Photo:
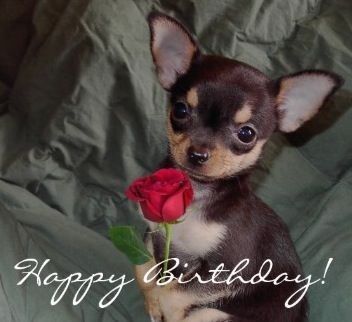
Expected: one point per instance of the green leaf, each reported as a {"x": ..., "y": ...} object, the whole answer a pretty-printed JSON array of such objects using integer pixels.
[{"x": 127, "y": 240}]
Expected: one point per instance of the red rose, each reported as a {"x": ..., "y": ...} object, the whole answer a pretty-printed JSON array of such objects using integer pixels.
[{"x": 163, "y": 196}]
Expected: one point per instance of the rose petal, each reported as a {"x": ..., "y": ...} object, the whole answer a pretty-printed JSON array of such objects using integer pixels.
[
  {"x": 188, "y": 196},
  {"x": 163, "y": 188},
  {"x": 132, "y": 193},
  {"x": 173, "y": 207},
  {"x": 169, "y": 175},
  {"x": 155, "y": 198},
  {"x": 150, "y": 213}
]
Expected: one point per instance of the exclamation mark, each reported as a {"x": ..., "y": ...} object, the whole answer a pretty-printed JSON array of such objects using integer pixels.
[{"x": 326, "y": 269}]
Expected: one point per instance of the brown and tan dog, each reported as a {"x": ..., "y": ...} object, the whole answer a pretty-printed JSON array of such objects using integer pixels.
[{"x": 222, "y": 112}]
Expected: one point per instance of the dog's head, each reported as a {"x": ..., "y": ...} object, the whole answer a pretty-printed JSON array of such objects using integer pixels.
[{"x": 222, "y": 111}]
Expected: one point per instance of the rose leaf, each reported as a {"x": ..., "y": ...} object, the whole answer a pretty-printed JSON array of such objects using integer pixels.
[{"x": 127, "y": 240}]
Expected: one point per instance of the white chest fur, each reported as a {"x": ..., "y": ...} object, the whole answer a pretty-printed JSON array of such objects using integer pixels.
[{"x": 195, "y": 236}]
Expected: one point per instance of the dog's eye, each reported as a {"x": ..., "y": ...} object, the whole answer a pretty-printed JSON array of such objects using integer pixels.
[
  {"x": 180, "y": 111},
  {"x": 246, "y": 134}
]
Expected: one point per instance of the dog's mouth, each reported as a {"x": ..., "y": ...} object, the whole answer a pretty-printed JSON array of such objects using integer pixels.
[
  {"x": 200, "y": 176},
  {"x": 196, "y": 175}
]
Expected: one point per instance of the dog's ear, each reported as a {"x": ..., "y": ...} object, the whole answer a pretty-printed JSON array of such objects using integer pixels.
[
  {"x": 173, "y": 48},
  {"x": 300, "y": 95}
]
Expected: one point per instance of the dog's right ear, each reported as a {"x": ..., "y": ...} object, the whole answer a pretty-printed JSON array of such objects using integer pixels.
[{"x": 172, "y": 46}]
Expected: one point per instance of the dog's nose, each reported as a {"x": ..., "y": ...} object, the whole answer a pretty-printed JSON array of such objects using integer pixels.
[{"x": 198, "y": 155}]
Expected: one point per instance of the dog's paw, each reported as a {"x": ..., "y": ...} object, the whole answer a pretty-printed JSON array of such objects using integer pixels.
[
  {"x": 208, "y": 315},
  {"x": 152, "y": 306},
  {"x": 155, "y": 314},
  {"x": 153, "y": 319}
]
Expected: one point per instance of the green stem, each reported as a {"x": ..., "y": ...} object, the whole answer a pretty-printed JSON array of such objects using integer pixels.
[{"x": 168, "y": 235}]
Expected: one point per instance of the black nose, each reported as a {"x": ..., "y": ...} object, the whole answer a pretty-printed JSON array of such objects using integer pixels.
[{"x": 198, "y": 155}]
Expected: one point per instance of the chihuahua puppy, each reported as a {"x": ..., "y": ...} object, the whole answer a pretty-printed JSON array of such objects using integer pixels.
[{"x": 221, "y": 114}]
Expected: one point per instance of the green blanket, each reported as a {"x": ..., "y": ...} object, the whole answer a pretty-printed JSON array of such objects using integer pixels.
[{"x": 82, "y": 115}]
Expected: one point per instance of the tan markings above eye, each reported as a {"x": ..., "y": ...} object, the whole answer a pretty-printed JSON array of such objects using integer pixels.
[
  {"x": 192, "y": 97},
  {"x": 244, "y": 114}
]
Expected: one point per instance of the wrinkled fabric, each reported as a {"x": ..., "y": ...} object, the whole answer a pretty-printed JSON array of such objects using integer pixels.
[{"x": 82, "y": 115}]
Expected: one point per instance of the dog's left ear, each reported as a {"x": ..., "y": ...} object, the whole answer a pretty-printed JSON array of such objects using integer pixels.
[
  {"x": 172, "y": 46},
  {"x": 299, "y": 96}
]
